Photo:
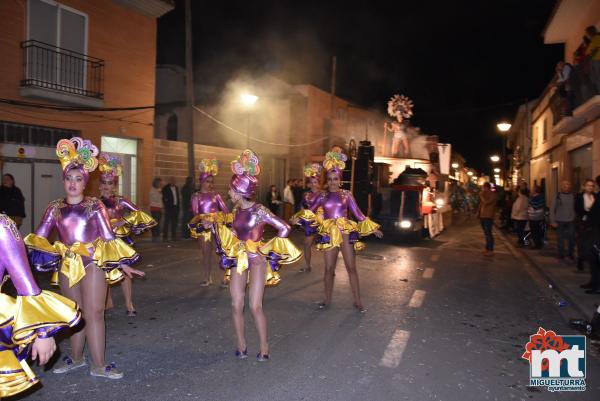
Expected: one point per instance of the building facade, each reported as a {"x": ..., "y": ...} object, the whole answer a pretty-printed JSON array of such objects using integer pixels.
[
  {"x": 94, "y": 55},
  {"x": 547, "y": 144}
]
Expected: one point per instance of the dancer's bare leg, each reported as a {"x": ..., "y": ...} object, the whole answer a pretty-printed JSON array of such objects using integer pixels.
[
  {"x": 93, "y": 287},
  {"x": 308, "y": 241},
  {"x": 395, "y": 146},
  {"x": 257, "y": 289},
  {"x": 127, "y": 287},
  {"x": 109, "y": 301},
  {"x": 350, "y": 262},
  {"x": 405, "y": 147},
  {"x": 237, "y": 289},
  {"x": 207, "y": 257},
  {"x": 331, "y": 257},
  {"x": 74, "y": 293}
]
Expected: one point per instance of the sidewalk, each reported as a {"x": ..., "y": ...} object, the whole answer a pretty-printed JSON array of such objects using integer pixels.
[{"x": 562, "y": 275}]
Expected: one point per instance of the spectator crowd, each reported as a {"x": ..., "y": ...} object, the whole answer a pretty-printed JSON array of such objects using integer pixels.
[{"x": 574, "y": 215}]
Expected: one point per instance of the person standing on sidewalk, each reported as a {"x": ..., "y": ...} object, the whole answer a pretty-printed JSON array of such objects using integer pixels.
[
  {"x": 591, "y": 239},
  {"x": 487, "y": 211},
  {"x": 156, "y": 207},
  {"x": 562, "y": 218},
  {"x": 519, "y": 215},
  {"x": 288, "y": 200},
  {"x": 186, "y": 205},
  {"x": 172, "y": 202},
  {"x": 583, "y": 204},
  {"x": 536, "y": 214}
]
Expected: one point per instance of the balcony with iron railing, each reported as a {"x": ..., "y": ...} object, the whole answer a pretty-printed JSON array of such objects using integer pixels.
[
  {"x": 580, "y": 105},
  {"x": 61, "y": 75}
]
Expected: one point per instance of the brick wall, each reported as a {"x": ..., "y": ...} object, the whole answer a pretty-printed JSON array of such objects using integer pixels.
[{"x": 126, "y": 41}]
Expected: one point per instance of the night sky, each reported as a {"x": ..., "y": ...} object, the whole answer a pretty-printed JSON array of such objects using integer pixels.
[{"x": 466, "y": 64}]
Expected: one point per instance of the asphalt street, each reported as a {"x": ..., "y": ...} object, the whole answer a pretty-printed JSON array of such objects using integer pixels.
[{"x": 444, "y": 322}]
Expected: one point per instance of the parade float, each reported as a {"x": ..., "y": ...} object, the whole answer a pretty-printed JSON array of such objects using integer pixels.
[{"x": 409, "y": 176}]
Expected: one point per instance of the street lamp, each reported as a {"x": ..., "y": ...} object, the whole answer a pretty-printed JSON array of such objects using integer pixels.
[
  {"x": 248, "y": 100},
  {"x": 454, "y": 165},
  {"x": 495, "y": 158},
  {"x": 496, "y": 170},
  {"x": 469, "y": 173},
  {"x": 503, "y": 128}
]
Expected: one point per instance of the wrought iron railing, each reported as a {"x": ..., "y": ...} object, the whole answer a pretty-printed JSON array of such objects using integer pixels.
[{"x": 50, "y": 67}]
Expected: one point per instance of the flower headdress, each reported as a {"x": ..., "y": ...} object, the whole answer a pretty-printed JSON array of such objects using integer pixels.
[
  {"x": 335, "y": 160},
  {"x": 312, "y": 170},
  {"x": 208, "y": 168},
  {"x": 77, "y": 152},
  {"x": 245, "y": 169},
  {"x": 400, "y": 107},
  {"x": 246, "y": 163},
  {"x": 110, "y": 166}
]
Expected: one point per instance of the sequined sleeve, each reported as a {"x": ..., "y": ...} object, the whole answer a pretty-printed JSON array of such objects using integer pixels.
[
  {"x": 283, "y": 229},
  {"x": 14, "y": 258},
  {"x": 103, "y": 222},
  {"x": 353, "y": 206},
  {"x": 222, "y": 206},
  {"x": 129, "y": 205},
  {"x": 317, "y": 202},
  {"x": 195, "y": 203},
  {"x": 48, "y": 222}
]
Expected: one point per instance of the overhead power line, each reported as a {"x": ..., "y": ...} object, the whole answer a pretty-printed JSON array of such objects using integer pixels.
[{"x": 22, "y": 103}]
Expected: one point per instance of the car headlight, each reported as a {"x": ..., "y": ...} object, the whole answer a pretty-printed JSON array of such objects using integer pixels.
[{"x": 405, "y": 224}]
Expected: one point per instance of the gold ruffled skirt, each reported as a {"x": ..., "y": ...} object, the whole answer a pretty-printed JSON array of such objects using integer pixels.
[{"x": 22, "y": 320}]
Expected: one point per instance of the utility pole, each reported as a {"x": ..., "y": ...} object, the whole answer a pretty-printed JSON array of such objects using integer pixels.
[
  {"x": 332, "y": 111},
  {"x": 189, "y": 86}
]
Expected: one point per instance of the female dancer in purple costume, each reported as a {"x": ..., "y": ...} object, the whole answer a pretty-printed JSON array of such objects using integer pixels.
[
  {"x": 87, "y": 251},
  {"x": 28, "y": 323},
  {"x": 126, "y": 219},
  {"x": 209, "y": 209},
  {"x": 336, "y": 231},
  {"x": 312, "y": 172},
  {"x": 241, "y": 248}
]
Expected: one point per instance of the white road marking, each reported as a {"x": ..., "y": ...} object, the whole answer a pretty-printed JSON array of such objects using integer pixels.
[
  {"x": 428, "y": 273},
  {"x": 435, "y": 257},
  {"x": 417, "y": 299},
  {"x": 393, "y": 353}
]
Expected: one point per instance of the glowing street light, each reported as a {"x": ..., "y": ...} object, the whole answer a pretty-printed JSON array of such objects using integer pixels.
[
  {"x": 470, "y": 173},
  {"x": 454, "y": 165},
  {"x": 495, "y": 158},
  {"x": 496, "y": 170},
  {"x": 503, "y": 126},
  {"x": 249, "y": 99}
]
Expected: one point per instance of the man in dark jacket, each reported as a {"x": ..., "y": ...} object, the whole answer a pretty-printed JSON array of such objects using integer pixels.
[
  {"x": 592, "y": 249},
  {"x": 172, "y": 203},
  {"x": 583, "y": 203},
  {"x": 590, "y": 238},
  {"x": 186, "y": 203}
]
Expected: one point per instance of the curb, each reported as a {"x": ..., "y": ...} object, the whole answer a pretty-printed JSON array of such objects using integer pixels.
[{"x": 565, "y": 294}]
